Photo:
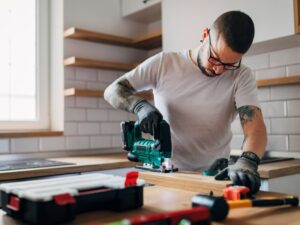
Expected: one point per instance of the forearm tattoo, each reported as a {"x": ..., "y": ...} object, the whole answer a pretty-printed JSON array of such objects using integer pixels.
[
  {"x": 247, "y": 114},
  {"x": 120, "y": 94}
]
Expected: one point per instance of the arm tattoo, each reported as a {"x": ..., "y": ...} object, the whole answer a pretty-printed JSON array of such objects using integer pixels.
[
  {"x": 247, "y": 113},
  {"x": 120, "y": 94}
]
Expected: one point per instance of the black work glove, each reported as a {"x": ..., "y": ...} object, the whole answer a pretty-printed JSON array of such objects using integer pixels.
[
  {"x": 243, "y": 173},
  {"x": 149, "y": 118}
]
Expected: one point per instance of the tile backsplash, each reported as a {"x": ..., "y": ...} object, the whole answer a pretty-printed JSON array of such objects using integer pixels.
[{"x": 280, "y": 104}]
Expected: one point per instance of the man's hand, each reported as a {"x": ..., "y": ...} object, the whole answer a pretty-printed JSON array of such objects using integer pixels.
[
  {"x": 243, "y": 172},
  {"x": 149, "y": 117}
]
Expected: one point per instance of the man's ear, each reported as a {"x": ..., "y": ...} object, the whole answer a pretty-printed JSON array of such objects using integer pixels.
[{"x": 204, "y": 34}]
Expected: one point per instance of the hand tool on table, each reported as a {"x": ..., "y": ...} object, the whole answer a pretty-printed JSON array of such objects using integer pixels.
[
  {"x": 236, "y": 192},
  {"x": 219, "y": 207},
  {"x": 155, "y": 154}
]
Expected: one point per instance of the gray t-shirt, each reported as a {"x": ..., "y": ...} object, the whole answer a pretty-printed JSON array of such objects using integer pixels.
[{"x": 199, "y": 109}]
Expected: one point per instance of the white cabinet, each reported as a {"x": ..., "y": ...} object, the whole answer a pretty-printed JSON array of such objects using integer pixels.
[
  {"x": 183, "y": 22},
  {"x": 146, "y": 11}
]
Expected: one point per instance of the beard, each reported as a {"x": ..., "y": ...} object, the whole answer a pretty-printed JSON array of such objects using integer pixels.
[{"x": 207, "y": 72}]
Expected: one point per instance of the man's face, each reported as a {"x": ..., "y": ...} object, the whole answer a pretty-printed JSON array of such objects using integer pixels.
[{"x": 216, "y": 56}]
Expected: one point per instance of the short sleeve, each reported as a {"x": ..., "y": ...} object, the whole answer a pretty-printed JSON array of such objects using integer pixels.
[
  {"x": 146, "y": 75},
  {"x": 246, "y": 89}
]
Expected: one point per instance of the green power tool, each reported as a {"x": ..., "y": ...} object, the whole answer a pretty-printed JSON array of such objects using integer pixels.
[{"x": 155, "y": 153}]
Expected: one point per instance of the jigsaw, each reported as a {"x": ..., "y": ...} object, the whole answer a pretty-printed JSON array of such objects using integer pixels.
[{"x": 155, "y": 153}]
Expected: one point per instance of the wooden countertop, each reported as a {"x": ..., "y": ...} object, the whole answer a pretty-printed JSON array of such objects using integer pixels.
[
  {"x": 162, "y": 199},
  {"x": 119, "y": 160}
]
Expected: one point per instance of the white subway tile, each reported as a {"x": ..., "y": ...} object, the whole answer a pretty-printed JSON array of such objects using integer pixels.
[
  {"x": 77, "y": 143},
  {"x": 294, "y": 143},
  {"x": 236, "y": 127},
  {"x": 108, "y": 76},
  {"x": 52, "y": 143},
  {"x": 86, "y": 74},
  {"x": 285, "y": 92},
  {"x": 4, "y": 146},
  {"x": 88, "y": 128},
  {"x": 96, "y": 86},
  {"x": 97, "y": 115},
  {"x": 73, "y": 114},
  {"x": 110, "y": 128},
  {"x": 285, "y": 126},
  {"x": 70, "y": 129},
  {"x": 237, "y": 141},
  {"x": 256, "y": 61},
  {"x": 273, "y": 109},
  {"x": 285, "y": 57},
  {"x": 86, "y": 102},
  {"x": 264, "y": 94},
  {"x": 117, "y": 115},
  {"x": 293, "y": 70},
  {"x": 104, "y": 104},
  {"x": 117, "y": 142},
  {"x": 75, "y": 84},
  {"x": 101, "y": 142},
  {"x": 23, "y": 145},
  {"x": 277, "y": 143},
  {"x": 293, "y": 108},
  {"x": 69, "y": 73},
  {"x": 70, "y": 101},
  {"x": 271, "y": 73}
]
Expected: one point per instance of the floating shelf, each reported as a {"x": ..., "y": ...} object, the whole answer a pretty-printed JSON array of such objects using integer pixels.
[
  {"x": 99, "y": 93},
  {"x": 91, "y": 63},
  {"x": 147, "y": 42},
  {"x": 278, "y": 81},
  {"x": 30, "y": 133}
]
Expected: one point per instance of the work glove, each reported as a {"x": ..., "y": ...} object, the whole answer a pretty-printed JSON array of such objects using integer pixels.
[
  {"x": 243, "y": 173},
  {"x": 149, "y": 118}
]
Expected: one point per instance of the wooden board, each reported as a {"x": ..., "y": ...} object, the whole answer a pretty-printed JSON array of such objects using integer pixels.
[
  {"x": 186, "y": 181},
  {"x": 30, "y": 133},
  {"x": 278, "y": 81},
  {"x": 147, "y": 42},
  {"x": 91, "y": 63}
]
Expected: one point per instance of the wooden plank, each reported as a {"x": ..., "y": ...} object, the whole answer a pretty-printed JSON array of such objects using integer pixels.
[
  {"x": 91, "y": 63},
  {"x": 99, "y": 93},
  {"x": 83, "y": 92},
  {"x": 185, "y": 181},
  {"x": 148, "y": 41},
  {"x": 297, "y": 15},
  {"x": 279, "y": 169},
  {"x": 278, "y": 81},
  {"x": 30, "y": 133},
  {"x": 86, "y": 35}
]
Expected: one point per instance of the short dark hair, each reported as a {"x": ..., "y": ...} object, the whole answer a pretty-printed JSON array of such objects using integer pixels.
[{"x": 237, "y": 28}]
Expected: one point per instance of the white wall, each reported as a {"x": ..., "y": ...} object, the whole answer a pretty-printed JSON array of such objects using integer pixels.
[{"x": 183, "y": 20}]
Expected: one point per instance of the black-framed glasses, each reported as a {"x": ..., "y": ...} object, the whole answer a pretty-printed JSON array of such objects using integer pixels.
[{"x": 217, "y": 62}]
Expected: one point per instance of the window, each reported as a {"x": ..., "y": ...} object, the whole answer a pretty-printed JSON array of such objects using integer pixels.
[{"x": 24, "y": 64}]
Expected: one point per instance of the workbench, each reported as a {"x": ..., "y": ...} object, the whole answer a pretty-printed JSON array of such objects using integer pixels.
[{"x": 162, "y": 199}]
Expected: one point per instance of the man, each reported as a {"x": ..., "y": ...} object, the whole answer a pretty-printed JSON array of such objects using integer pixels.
[{"x": 199, "y": 92}]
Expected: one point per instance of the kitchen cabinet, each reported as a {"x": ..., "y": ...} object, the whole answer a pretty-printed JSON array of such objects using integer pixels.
[{"x": 146, "y": 11}]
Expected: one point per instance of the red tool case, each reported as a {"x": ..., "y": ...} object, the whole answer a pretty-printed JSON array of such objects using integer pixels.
[{"x": 58, "y": 200}]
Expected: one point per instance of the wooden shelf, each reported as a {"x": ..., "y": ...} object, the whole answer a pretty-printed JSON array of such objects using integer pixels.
[
  {"x": 99, "y": 93},
  {"x": 91, "y": 63},
  {"x": 30, "y": 133},
  {"x": 147, "y": 42},
  {"x": 278, "y": 81}
]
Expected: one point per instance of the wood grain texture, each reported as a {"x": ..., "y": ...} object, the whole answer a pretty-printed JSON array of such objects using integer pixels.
[
  {"x": 30, "y": 133},
  {"x": 297, "y": 15},
  {"x": 278, "y": 81},
  {"x": 186, "y": 181},
  {"x": 147, "y": 42},
  {"x": 91, "y": 63}
]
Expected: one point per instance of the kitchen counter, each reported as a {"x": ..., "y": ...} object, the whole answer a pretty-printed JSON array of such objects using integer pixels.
[
  {"x": 119, "y": 160},
  {"x": 162, "y": 199}
]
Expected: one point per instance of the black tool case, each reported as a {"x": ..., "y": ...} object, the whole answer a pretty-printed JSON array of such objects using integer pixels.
[{"x": 58, "y": 200}]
